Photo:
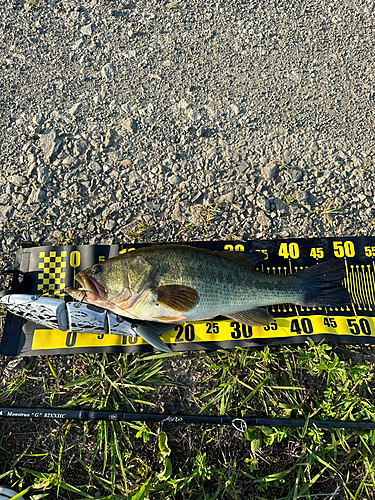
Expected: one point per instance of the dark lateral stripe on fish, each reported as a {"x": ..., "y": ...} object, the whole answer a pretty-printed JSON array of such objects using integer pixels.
[{"x": 323, "y": 285}]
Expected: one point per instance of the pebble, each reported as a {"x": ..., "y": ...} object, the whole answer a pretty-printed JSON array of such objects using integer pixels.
[
  {"x": 270, "y": 171},
  {"x": 50, "y": 144},
  {"x": 78, "y": 44},
  {"x": 38, "y": 120},
  {"x": 108, "y": 71},
  {"x": 44, "y": 174},
  {"x": 194, "y": 116},
  {"x": 75, "y": 109},
  {"x": 37, "y": 195},
  {"x": 87, "y": 29},
  {"x": 174, "y": 180},
  {"x": 134, "y": 177},
  {"x": 110, "y": 138},
  {"x": 236, "y": 110},
  {"x": 14, "y": 367},
  {"x": 18, "y": 180},
  {"x": 296, "y": 174},
  {"x": 130, "y": 125}
]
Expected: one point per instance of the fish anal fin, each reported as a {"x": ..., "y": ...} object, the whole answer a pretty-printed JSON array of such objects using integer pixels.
[
  {"x": 253, "y": 317},
  {"x": 180, "y": 298},
  {"x": 151, "y": 334}
]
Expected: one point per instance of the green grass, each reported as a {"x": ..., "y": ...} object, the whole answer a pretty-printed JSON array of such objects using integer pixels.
[{"x": 118, "y": 460}]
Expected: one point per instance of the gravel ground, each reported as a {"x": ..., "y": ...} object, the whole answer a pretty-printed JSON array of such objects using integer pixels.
[{"x": 182, "y": 120}]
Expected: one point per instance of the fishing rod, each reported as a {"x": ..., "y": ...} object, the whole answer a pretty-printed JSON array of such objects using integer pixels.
[{"x": 240, "y": 424}]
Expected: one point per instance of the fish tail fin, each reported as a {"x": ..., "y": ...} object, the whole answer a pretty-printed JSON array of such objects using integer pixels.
[{"x": 323, "y": 285}]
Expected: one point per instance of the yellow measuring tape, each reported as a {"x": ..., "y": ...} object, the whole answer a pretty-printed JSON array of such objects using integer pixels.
[{"x": 216, "y": 331}]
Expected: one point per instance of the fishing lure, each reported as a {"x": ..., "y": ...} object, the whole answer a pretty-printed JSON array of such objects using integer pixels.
[{"x": 80, "y": 318}]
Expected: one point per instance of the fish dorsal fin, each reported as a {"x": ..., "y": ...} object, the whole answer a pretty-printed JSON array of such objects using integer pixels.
[
  {"x": 254, "y": 317},
  {"x": 180, "y": 298},
  {"x": 248, "y": 259}
]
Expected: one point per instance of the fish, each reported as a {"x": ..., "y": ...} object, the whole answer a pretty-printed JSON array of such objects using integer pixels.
[{"x": 174, "y": 284}]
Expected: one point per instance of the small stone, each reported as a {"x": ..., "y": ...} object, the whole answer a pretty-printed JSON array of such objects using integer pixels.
[
  {"x": 193, "y": 115},
  {"x": 203, "y": 132},
  {"x": 50, "y": 145},
  {"x": 296, "y": 174},
  {"x": 264, "y": 204},
  {"x": 110, "y": 224},
  {"x": 6, "y": 212},
  {"x": 75, "y": 109},
  {"x": 227, "y": 198},
  {"x": 95, "y": 167},
  {"x": 108, "y": 71},
  {"x": 78, "y": 44},
  {"x": 236, "y": 110},
  {"x": 14, "y": 366},
  {"x": 242, "y": 167},
  {"x": 79, "y": 148},
  {"x": 44, "y": 175},
  {"x": 87, "y": 29},
  {"x": 184, "y": 104},
  {"x": 305, "y": 200},
  {"x": 130, "y": 125},
  {"x": 37, "y": 196},
  {"x": 263, "y": 220},
  {"x": 134, "y": 177},
  {"x": 97, "y": 99},
  {"x": 174, "y": 180},
  {"x": 110, "y": 138},
  {"x": 18, "y": 180},
  {"x": 126, "y": 163},
  {"x": 69, "y": 161},
  {"x": 211, "y": 154},
  {"x": 38, "y": 120},
  {"x": 281, "y": 207},
  {"x": 179, "y": 213},
  {"x": 270, "y": 171},
  {"x": 212, "y": 112}
]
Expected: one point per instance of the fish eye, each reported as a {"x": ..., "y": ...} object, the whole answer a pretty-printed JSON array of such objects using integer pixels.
[{"x": 97, "y": 269}]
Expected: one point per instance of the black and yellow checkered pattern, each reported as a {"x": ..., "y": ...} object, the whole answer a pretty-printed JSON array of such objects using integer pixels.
[{"x": 51, "y": 279}]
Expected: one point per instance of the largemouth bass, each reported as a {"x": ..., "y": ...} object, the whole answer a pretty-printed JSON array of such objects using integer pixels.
[{"x": 174, "y": 284}]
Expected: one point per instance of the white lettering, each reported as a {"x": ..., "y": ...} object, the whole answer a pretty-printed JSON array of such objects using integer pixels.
[{"x": 173, "y": 419}]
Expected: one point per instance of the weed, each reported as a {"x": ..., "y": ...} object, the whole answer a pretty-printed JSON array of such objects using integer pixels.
[
  {"x": 105, "y": 217},
  {"x": 65, "y": 241},
  {"x": 124, "y": 460},
  {"x": 289, "y": 199},
  {"x": 365, "y": 167},
  {"x": 44, "y": 222},
  {"x": 138, "y": 232},
  {"x": 207, "y": 214}
]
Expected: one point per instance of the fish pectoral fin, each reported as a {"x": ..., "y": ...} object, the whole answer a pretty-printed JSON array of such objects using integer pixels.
[
  {"x": 180, "y": 298},
  {"x": 254, "y": 317},
  {"x": 150, "y": 334}
]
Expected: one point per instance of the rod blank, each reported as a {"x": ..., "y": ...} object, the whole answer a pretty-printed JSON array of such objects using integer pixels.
[{"x": 68, "y": 414}]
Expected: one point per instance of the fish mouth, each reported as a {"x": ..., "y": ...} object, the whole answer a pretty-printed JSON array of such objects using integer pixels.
[{"x": 90, "y": 285}]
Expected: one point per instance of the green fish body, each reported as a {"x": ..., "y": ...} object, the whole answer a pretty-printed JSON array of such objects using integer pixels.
[{"x": 175, "y": 284}]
